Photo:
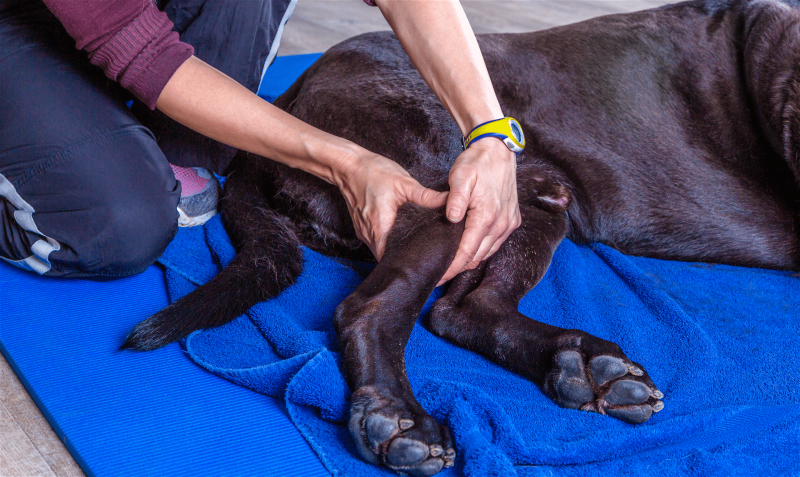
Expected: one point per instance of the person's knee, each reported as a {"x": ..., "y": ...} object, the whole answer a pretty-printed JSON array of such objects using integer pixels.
[
  {"x": 139, "y": 215},
  {"x": 114, "y": 208},
  {"x": 138, "y": 227}
]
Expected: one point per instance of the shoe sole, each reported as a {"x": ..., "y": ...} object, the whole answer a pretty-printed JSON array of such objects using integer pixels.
[{"x": 186, "y": 221}]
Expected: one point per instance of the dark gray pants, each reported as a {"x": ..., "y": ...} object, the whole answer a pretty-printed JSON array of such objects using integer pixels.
[{"x": 85, "y": 188}]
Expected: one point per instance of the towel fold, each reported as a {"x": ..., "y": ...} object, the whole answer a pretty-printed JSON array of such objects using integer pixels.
[{"x": 719, "y": 341}]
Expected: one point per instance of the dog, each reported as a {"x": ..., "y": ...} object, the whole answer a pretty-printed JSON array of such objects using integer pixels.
[{"x": 670, "y": 133}]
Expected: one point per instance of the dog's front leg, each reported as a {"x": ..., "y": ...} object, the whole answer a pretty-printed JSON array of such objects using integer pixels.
[{"x": 373, "y": 324}]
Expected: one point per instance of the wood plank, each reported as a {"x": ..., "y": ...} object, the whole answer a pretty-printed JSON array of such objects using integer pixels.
[
  {"x": 316, "y": 25},
  {"x": 18, "y": 455},
  {"x": 35, "y": 429}
]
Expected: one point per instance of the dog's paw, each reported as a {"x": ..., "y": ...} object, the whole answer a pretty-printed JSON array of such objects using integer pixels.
[
  {"x": 387, "y": 432},
  {"x": 596, "y": 376}
]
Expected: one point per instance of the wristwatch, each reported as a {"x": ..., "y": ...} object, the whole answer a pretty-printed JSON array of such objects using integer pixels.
[{"x": 506, "y": 129}]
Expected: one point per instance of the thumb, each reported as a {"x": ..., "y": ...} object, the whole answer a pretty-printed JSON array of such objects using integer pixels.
[
  {"x": 425, "y": 197},
  {"x": 458, "y": 201}
]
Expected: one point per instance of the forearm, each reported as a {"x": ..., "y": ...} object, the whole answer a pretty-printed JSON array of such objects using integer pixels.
[
  {"x": 206, "y": 100},
  {"x": 439, "y": 40}
]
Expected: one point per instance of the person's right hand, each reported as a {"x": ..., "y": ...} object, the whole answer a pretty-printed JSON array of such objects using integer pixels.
[
  {"x": 374, "y": 187},
  {"x": 483, "y": 186}
]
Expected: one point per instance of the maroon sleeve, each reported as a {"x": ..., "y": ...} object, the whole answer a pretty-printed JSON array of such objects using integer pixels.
[{"x": 131, "y": 40}]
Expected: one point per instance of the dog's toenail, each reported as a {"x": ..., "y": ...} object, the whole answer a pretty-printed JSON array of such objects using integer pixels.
[
  {"x": 450, "y": 454},
  {"x": 635, "y": 371},
  {"x": 449, "y": 463},
  {"x": 658, "y": 394},
  {"x": 659, "y": 406},
  {"x": 436, "y": 450},
  {"x": 406, "y": 424}
]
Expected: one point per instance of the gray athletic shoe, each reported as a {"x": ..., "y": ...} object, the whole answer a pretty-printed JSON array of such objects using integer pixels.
[{"x": 199, "y": 195}]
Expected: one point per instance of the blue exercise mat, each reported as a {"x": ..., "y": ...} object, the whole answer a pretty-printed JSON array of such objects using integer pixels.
[
  {"x": 719, "y": 341},
  {"x": 126, "y": 413},
  {"x": 282, "y": 73}
]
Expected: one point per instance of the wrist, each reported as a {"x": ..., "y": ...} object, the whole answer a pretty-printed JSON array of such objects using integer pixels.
[
  {"x": 496, "y": 148},
  {"x": 348, "y": 160},
  {"x": 506, "y": 129}
]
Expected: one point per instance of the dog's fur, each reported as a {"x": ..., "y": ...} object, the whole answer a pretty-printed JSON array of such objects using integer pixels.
[{"x": 670, "y": 133}]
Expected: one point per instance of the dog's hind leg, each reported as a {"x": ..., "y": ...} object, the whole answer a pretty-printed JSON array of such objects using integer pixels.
[
  {"x": 575, "y": 369},
  {"x": 268, "y": 261},
  {"x": 373, "y": 325}
]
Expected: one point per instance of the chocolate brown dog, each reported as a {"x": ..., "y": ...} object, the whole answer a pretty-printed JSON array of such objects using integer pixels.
[{"x": 670, "y": 133}]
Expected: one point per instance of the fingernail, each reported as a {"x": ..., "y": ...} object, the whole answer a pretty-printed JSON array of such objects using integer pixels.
[{"x": 453, "y": 216}]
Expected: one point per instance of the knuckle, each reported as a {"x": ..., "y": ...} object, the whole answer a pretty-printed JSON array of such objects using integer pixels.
[
  {"x": 483, "y": 218},
  {"x": 501, "y": 225}
]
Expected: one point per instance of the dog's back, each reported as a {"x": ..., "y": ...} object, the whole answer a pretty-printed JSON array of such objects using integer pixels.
[{"x": 662, "y": 124}]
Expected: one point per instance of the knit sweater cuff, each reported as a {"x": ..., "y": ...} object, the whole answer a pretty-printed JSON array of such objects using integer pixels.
[{"x": 144, "y": 55}]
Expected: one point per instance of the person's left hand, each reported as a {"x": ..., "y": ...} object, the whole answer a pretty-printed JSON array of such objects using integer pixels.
[
  {"x": 483, "y": 184},
  {"x": 374, "y": 187}
]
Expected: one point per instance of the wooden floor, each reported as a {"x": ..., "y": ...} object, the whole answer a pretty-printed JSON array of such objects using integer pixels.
[
  {"x": 28, "y": 446},
  {"x": 319, "y": 24}
]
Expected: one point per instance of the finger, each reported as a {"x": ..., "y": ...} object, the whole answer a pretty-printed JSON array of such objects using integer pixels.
[
  {"x": 467, "y": 248},
  {"x": 382, "y": 235},
  {"x": 459, "y": 198},
  {"x": 362, "y": 232},
  {"x": 482, "y": 253},
  {"x": 425, "y": 197},
  {"x": 515, "y": 223},
  {"x": 380, "y": 248},
  {"x": 495, "y": 247}
]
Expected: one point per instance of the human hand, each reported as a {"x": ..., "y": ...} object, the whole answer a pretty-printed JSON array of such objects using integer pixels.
[
  {"x": 483, "y": 184},
  {"x": 374, "y": 187}
]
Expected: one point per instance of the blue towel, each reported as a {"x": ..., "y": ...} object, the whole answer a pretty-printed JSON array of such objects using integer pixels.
[{"x": 719, "y": 341}]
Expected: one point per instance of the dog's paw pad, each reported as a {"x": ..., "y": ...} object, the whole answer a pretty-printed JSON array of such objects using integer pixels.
[
  {"x": 625, "y": 392},
  {"x": 592, "y": 374},
  {"x": 406, "y": 452},
  {"x": 426, "y": 469},
  {"x": 631, "y": 414},
  {"x": 380, "y": 429},
  {"x": 571, "y": 386},
  {"x": 388, "y": 431},
  {"x": 607, "y": 368}
]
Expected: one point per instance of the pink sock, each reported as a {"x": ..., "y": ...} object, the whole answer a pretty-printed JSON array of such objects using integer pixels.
[{"x": 191, "y": 182}]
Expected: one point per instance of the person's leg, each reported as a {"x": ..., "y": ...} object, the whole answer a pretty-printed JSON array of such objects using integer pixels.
[
  {"x": 84, "y": 189},
  {"x": 237, "y": 37}
]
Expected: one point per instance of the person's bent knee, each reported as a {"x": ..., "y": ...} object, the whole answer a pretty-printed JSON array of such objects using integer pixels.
[
  {"x": 112, "y": 208},
  {"x": 136, "y": 232},
  {"x": 138, "y": 217}
]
